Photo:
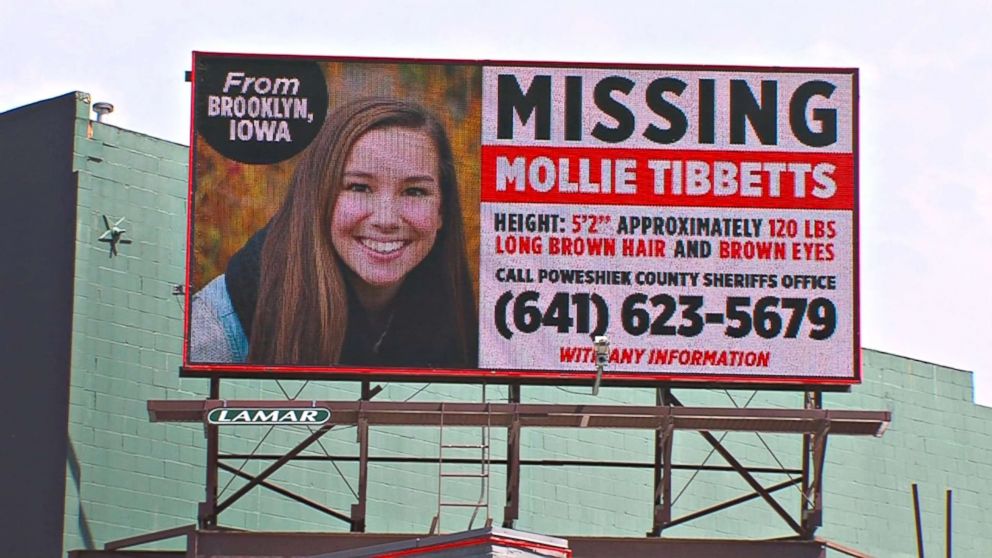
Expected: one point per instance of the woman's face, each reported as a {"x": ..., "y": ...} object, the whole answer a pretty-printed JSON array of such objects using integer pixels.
[{"x": 388, "y": 213}]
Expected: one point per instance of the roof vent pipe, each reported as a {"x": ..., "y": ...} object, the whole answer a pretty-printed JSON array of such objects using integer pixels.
[{"x": 102, "y": 109}]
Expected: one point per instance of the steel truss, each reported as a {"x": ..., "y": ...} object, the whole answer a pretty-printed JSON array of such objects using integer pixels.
[{"x": 812, "y": 422}]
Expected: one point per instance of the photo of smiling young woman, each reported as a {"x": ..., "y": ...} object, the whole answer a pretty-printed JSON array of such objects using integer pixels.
[{"x": 364, "y": 264}]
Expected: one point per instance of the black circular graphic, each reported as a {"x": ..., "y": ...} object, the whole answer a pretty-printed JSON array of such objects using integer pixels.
[{"x": 259, "y": 111}]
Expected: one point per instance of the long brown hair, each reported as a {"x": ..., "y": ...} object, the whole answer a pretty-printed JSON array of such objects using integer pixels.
[{"x": 301, "y": 315}]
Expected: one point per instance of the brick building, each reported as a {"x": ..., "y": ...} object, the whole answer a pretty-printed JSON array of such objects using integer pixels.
[{"x": 89, "y": 337}]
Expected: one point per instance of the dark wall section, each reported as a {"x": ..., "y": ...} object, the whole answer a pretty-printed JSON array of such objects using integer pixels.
[{"x": 37, "y": 252}]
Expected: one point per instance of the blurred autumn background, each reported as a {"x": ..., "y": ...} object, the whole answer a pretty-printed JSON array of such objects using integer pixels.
[{"x": 232, "y": 200}]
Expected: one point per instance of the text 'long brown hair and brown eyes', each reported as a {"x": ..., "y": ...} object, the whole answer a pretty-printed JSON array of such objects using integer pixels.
[{"x": 301, "y": 316}]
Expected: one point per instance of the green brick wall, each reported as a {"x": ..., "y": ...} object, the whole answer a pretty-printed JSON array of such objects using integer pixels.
[{"x": 127, "y": 476}]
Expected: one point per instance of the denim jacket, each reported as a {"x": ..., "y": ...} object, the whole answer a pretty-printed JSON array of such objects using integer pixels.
[{"x": 216, "y": 334}]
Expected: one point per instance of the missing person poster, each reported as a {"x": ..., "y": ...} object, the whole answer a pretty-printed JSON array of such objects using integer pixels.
[{"x": 476, "y": 221}]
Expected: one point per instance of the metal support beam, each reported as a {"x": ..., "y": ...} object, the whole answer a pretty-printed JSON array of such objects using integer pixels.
[
  {"x": 283, "y": 492},
  {"x": 730, "y": 503},
  {"x": 658, "y": 475},
  {"x": 819, "y": 459},
  {"x": 843, "y": 549},
  {"x": 752, "y": 482},
  {"x": 948, "y": 526},
  {"x": 118, "y": 544},
  {"x": 668, "y": 437},
  {"x": 814, "y": 452},
  {"x": 919, "y": 522},
  {"x": 748, "y": 478},
  {"x": 207, "y": 510},
  {"x": 395, "y": 413},
  {"x": 368, "y": 392},
  {"x": 511, "y": 511},
  {"x": 358, "y": 510},
  {"x": 316, "y": 435},
  {"x": 664, "y": 418},
  {"x": 804, "y": 499},
  {"x": 662, "y": 469},
  {"x": 503, "y": 462}
]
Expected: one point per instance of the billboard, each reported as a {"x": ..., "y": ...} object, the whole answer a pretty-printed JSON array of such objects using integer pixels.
[{"x": 486, "y": 221}]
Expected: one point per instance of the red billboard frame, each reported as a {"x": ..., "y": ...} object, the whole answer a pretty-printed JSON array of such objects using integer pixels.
[{"x": 526, "y": 376}]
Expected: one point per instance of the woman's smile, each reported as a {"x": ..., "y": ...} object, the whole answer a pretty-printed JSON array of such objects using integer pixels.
[{"x": 383, "y": 247}]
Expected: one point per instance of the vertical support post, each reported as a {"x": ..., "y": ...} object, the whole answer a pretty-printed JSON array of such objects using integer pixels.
[
  {"x": 207, "y": 512},
  {"x": 511, "y": 512},
  {"x": 358, "y": 510},
  {"x": 811, "y": 487},
  {"x": 819, "y": 459},
  {"x": 919, "y": 521},
  {"x": 662, "y": 468},
  {"x": 948, "y": 525},
  {"x": 804, "y": 502},
  {"x": 658, "y": 477},
  {"x": 666, "y": 492}
]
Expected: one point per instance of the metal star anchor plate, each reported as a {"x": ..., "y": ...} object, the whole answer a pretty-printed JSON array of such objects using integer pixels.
[{"x": 113, "y": 235}]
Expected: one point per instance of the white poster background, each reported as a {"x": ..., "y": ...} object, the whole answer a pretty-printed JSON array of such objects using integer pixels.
[{"x": 541, "y": 350}]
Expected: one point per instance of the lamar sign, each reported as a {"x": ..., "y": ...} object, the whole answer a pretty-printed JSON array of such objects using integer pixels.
[{"x": 249, "y": 415}]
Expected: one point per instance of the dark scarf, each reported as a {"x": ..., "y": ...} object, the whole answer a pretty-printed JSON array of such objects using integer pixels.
[{"x": 243, "y": 276}]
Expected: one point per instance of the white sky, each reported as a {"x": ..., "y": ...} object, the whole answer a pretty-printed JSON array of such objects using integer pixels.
[{"x": 926, "y": 121}]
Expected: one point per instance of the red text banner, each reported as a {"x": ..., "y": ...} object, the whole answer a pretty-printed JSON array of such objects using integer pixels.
[{"x": 575, "y": 175}]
